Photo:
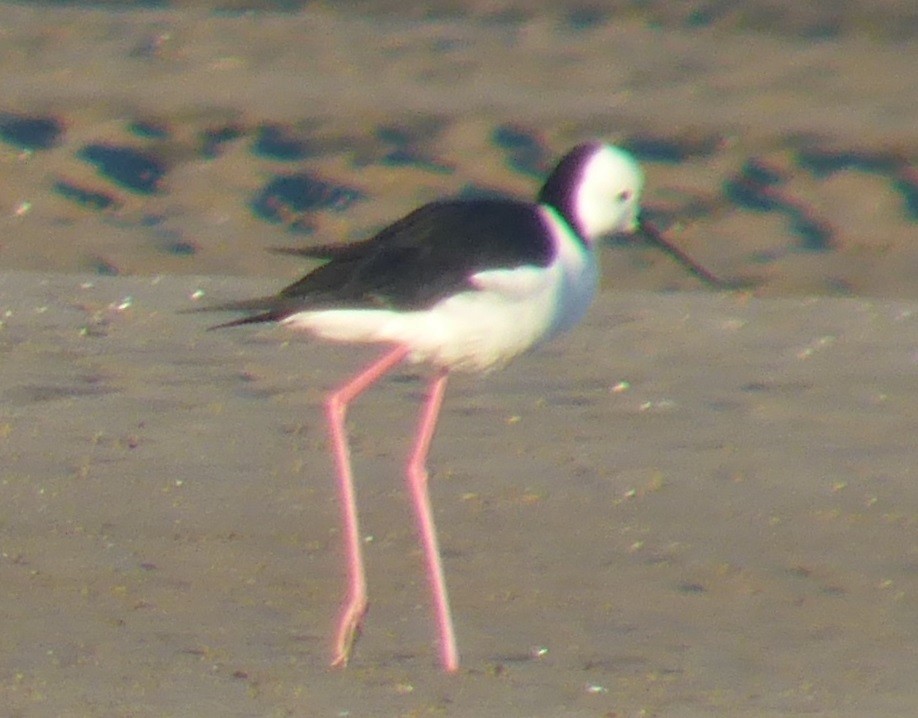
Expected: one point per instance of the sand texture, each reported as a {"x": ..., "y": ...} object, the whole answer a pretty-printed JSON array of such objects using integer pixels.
[
  {"x": 696, "y": 505},
  {"x": 699, "y": 503}
]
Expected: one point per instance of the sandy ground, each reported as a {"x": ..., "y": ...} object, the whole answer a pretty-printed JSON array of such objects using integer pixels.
[
  {"x": 696, "y": 505},
  {"x": 699, "y": 503}
]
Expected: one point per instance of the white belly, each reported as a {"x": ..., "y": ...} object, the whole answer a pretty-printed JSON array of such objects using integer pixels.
[{"x": 509, "y": 312}]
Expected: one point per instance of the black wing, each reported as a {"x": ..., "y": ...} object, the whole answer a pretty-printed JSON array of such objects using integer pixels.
[{"x": 415, "y": 262}]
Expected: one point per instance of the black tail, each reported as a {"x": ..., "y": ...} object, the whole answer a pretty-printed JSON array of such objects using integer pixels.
[
  {"x": 254, "y": 319},
  {"x": 264, "y": 307}
]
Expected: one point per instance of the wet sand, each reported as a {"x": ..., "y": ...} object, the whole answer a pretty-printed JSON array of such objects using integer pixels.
[{"x": 698, "y": 503}]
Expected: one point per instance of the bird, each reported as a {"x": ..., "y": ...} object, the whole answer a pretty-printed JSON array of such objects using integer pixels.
[{"x": 461, "y": 285}]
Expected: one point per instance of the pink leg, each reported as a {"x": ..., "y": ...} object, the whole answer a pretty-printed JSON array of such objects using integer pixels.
[
  {"x": 417, "y": 483},
  {"x": 355, "y": 607}
]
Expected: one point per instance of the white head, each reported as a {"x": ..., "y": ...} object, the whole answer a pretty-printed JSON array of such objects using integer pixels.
[{"x": 596, "y": 187}]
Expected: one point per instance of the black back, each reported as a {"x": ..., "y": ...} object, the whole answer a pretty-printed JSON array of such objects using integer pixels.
[{"x": 417, "y": 261}]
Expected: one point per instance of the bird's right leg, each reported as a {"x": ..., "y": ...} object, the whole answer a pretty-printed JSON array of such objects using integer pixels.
[
  {"x": 356, "y": 604},
  {"x": 420, "y": 496}
]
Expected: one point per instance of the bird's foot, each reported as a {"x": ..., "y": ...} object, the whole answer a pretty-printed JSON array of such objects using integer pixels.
[{"x": 349, "y": 628}]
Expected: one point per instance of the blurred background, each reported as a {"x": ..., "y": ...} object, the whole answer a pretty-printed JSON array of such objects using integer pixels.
[{"x": 779, "y": 138}]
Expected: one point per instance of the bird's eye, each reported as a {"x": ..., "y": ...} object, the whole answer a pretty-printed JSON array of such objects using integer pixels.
[{"x": 624, "y": 196}]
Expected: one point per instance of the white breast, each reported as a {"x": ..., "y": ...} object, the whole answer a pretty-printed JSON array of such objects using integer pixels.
[{"x": 510, "y": 311}]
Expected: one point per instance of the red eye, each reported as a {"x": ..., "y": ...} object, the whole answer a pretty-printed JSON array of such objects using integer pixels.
[{"x": 624, "y": 196}]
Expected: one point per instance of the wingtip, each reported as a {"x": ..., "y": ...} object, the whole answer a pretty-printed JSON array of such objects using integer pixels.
[
  {"x": 253, "y": 319},
  {"x": 258, "y": 310}
]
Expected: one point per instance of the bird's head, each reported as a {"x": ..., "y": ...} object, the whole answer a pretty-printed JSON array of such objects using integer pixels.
[{"x": 596, "y": 187}]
